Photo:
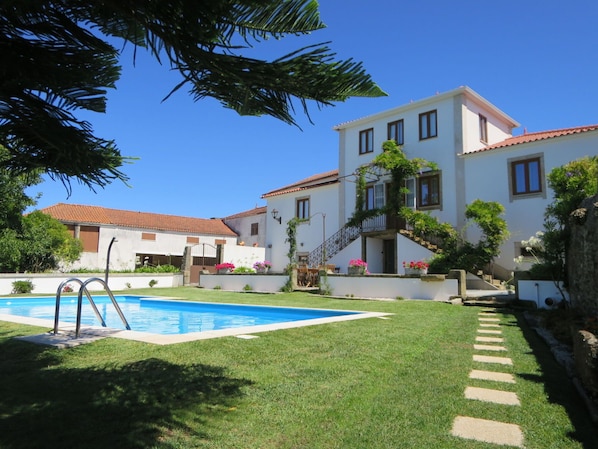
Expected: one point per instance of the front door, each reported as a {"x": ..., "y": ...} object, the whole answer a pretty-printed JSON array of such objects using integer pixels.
[{"x": 388, "y": 264}]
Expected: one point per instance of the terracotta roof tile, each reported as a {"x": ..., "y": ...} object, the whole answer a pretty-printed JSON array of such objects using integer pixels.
[
  {"x": 533, "y": 137},
  {"x": 248, "y": 213},
  {"x": 329, "y": 177},
  {"x": 74, "y": 213}
]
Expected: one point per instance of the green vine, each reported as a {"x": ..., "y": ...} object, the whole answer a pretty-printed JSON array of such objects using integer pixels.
[
  {"x": 292, "y": 240},
  {"x": 393, "y": 161}
]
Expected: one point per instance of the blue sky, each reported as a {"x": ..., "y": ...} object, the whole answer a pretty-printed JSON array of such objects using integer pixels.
[{"x": 535, "y": 60}]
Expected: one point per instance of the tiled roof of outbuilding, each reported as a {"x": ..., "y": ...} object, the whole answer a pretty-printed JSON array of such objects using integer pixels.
[
  {"x": 533, "y": 137},
  {"x": 80, "y": 214},
  {"x": 329, "y": 177},
  {"x": 248, "y": 213}
]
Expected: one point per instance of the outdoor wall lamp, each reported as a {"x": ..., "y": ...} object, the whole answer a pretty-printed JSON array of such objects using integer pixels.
[{"x": 276, "y": 216}]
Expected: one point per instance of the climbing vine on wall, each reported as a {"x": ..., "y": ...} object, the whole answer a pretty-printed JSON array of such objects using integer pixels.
[{"x": 393, "y": 161}]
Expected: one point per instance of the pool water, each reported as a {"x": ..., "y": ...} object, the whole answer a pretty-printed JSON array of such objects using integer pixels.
[{"x": 161, "y": 316}]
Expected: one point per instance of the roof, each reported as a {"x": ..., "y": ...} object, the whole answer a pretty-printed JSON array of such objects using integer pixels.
[
  {"x": 79, "y": 214},
  {"x": 248, "y": 213},
  {"x": 329, "y": 177},
  {"x": 534, "y": 137},
  {"x": 465, "y": 90}
]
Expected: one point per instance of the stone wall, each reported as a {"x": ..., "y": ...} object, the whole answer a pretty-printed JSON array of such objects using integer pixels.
[{"x": 583, "y": 257}]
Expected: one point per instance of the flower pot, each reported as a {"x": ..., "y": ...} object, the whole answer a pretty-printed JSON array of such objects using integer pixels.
[
  {"x": 262, "y": 270},
  {"x": 354, "y": 271},
  {"x": 415, "y": 271},
  {"x": 224, "y": 270}
]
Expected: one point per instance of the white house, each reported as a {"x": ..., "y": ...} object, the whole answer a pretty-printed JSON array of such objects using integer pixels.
[
  {"x": 472, "y": 143},
  {"x": 250, "y": 226}
]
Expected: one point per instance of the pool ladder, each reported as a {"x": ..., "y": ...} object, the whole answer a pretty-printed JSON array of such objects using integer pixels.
[{"x": 83, "y": 289}]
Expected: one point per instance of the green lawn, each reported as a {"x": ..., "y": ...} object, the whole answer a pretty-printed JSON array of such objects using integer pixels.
[{"x": 370, "y": 383}]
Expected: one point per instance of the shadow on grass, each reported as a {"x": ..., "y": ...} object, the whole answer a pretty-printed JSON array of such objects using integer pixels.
[
  {"x": 558, "y": 387},
  {"x": 124, "y": 406}
]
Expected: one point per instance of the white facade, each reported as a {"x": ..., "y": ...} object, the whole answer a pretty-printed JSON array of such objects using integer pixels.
[
  {"x": 130, "y": 242},
  {"x": 471, "y": 142},
  {"x": 488, "y": 178}
]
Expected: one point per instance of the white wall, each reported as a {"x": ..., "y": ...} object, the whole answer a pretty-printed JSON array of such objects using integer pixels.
[
  {"x": 129, "y": 243},
  {"x": 488, "y": 179},
  {"x": 243, "y": 256},
  {"x": 322, "y": 199},
  {"x": 49, "y": 283}
]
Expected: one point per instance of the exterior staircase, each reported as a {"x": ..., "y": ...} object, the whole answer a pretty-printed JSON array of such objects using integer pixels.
[{"x": 333, "y": 245}]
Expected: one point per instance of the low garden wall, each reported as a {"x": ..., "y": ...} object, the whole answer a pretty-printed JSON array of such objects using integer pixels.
[
  {"x": 49, "y": 283},
  {"x": 543, "y": 293},
  {"x": 371, "y": 286},
  {"x": 239, "y": 282}
]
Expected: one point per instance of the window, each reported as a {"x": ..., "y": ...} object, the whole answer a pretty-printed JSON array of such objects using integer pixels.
[
  {"x": 366, "y": 141},
  {"x": 427, "y": 125},
  {"x": 395, "y": 132},
  {"x": 410, "y": 194},
  {"x": 483, "y": 129},
  {"x": 428, "y": 190},
  {"x": 526, "y": 176},
  {"x": 254, "y": 228},
  {"x": 302, "y": 208},
  {"x": 374, "y": 196}
]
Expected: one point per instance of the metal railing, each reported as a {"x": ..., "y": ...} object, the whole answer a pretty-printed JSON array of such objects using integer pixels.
[
  {"x": 83, "y": 289},
  {"x": 333, "y": 245}
]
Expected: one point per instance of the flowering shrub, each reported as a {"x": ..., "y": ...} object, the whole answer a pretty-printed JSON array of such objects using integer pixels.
[
  {"x": 67, "y": 288},
  {"x": 416, "y": 265},
  {"x": 358, "y": 263},
  {"x": 262, "y": 265},
  {"x": 225, "y": 265}
]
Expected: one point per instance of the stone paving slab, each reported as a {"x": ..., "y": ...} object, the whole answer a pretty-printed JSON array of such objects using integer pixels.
[
  {"x": 489, "y": 320},
  {"x": 490, "y": 395},
  {"x": 490, "y": 339},
  {"x": 489, "y": 331},
  {"x": 489, "y": 348},
  {"x": 487, "y": 431},
  {"x": 492, "y": 359},
  {"x": 489, "y": 325},
  {"x": 492, "y": 375}
]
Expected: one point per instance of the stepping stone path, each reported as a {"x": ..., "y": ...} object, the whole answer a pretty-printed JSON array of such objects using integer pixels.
[{"x": 471, "y": 428}]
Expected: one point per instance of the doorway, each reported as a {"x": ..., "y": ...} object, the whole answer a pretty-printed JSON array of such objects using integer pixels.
[{"x": 389, "y": 259}]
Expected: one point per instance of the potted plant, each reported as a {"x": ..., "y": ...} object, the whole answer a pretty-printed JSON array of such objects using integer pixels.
[
  {"x": 357, "y": 266},
  {"x": 224, "y": 268},
  {"x": 415, "y": 267},
  {"x": 262, "y": 267}
]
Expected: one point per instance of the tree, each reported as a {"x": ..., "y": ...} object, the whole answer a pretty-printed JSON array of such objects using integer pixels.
[
  {"x": 56, "y": 60},
  {"x": 45, "y": 242}
]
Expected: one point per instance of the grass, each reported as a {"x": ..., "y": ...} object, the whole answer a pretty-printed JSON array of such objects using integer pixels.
[{"x": 368, "y": 383}]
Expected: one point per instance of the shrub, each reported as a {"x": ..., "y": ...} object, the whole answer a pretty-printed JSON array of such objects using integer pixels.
[
  {"x": 243, "y": 270},
  {"x": 22, "y": 287},
  {"x": 247, "y": 288},
  {"x": 152, "y": 282}
]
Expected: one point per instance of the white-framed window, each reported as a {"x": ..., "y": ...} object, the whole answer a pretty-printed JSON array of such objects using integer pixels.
[{"x": 374, "y": 196}]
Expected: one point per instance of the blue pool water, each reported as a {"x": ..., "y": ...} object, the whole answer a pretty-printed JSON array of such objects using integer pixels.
[{"x": 159, "y": 316}]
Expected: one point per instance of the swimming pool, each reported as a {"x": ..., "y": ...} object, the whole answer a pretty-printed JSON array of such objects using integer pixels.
[{"x": 171, "y": 319}]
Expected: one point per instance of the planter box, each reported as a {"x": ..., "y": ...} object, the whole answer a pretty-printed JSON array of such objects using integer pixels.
[
  {"x": 356, "y": 271},
  {"x": 415, "y": 272}
]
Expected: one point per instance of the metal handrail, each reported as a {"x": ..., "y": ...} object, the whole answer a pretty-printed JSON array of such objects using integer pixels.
[{"x": 82, "y": 289}]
